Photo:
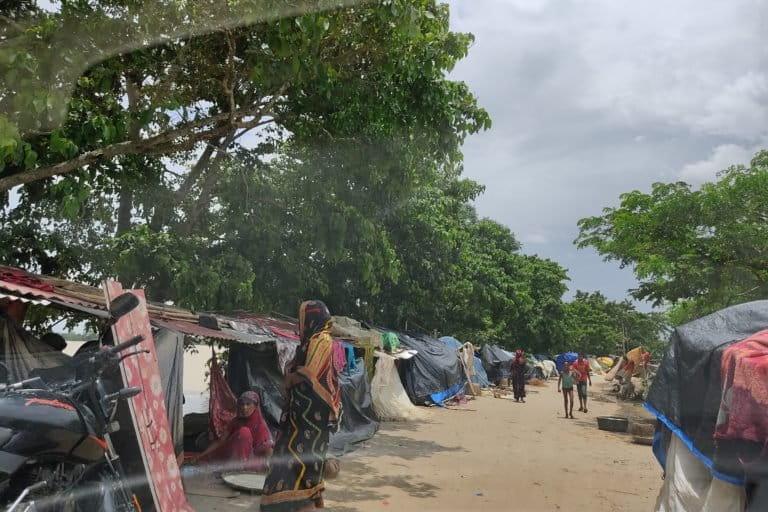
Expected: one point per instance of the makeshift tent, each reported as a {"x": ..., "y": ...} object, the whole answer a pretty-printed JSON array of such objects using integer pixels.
[
  {"x": 480, "y": 377},
  {"x": 595, "y": 366},
  {"x": 686, "y": 393},
  {"x": 434, "y": 373},
  {"x": 368, "y": 340},
  {"x": 688, "y": 485},
  {"x": 390, "y": 401},
  {"x": 561, "y": 359},
  {"x": 466, "y": 353},
  {"x": 358, "y": 421},
  {"x": 497, "y": 362},
  {"x": 256, "y": 366},
  {"x": 614, "y": 371}
]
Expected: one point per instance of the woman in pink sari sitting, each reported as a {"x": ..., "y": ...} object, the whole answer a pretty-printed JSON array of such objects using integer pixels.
[{"x": 247, "y": 443}]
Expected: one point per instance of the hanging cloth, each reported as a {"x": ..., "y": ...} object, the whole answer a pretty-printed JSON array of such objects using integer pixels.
[{"x": 222, "y": 407}]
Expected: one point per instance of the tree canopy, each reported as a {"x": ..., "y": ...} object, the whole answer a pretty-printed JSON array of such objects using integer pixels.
[
  {"x": 699, "y": 249},
  {"x": 248, "y": 155},
  {"x": 596, "y": 325}
]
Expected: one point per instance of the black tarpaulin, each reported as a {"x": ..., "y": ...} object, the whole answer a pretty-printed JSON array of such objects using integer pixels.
[
  {"x": 255, "y": 367},
  {"x": 357, "y": 422},
  {"x": 497, "y": 363},
  {"x": 686, "y": 391},
  {"x": 434, "y": 373},
  {"x": 170, "y": 358}
]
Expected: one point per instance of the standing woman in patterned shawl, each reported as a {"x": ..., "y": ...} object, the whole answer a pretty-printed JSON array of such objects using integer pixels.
[{"x": 295, "y": 480}]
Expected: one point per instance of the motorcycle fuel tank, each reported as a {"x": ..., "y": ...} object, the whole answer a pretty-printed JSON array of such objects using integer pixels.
[{"x": 43, "y": 423}]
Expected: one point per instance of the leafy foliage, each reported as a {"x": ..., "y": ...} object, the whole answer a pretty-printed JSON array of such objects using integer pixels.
[
  {"x": 252, "y": 162},
  {"x": 701, "y": 249},
  {"x": 596, "y": 325}
]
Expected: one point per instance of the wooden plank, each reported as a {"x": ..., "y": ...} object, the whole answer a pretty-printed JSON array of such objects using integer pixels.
[{"x": 147, "y": 409}]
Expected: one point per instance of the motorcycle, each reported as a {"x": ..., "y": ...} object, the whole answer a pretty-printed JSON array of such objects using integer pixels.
[{"x": 55, "y": 446}]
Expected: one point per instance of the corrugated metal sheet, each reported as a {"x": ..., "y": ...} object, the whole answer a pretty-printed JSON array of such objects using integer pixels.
[
  {"x": 26, "y": 291},
  {"x": 192, "y": 329},
  {"x": 28, "y": 300}
]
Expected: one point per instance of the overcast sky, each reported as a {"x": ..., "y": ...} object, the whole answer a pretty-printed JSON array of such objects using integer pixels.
[{"x": 593, "y": 98}]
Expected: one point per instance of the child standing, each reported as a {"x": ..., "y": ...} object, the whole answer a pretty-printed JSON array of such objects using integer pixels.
[{"x": 566, "y": 380}]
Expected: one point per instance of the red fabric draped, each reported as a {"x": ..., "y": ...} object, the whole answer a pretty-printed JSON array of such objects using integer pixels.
[{"x": 222, "y": 407}]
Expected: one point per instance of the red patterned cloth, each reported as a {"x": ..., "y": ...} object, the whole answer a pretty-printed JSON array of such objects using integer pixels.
[
  {"x": 222, "y": 407},
  {"x": 744, "y": 401},
  {"x": 339, "y": 356},
  {"x": 17, "y": 276}
]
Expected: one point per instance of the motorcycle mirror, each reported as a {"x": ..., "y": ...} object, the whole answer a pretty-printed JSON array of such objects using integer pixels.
[
  {"x": 122, "y": 305},
  {"x": 129, "y": 392}
]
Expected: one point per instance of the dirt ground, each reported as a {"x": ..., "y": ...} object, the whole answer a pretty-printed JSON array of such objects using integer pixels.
[{"x": 493, "y": 454}]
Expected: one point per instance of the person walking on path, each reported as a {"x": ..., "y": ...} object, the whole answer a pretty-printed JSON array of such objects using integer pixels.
[
  {"x": 518, "y": 376},
  {"x": 581, "y": 365},
  {"x": 296, "y": 477},
  {"x": 566, "y": 380}
]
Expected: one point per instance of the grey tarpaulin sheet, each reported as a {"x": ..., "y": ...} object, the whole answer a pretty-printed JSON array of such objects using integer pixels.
[
  {"x": 21, "y": 352},
  {"x": 170, "y": 357},
  {"x": 497, "y": 362},
  {"x": 686, "y": 391},
  {"x": 358, "y": 421},
  {"x": 435, "y": 370}
]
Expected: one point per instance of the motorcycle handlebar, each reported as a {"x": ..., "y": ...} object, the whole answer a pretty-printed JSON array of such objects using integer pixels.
[
  {"x": 34, "y": 382},
  {"x": 126, "y": 344}
]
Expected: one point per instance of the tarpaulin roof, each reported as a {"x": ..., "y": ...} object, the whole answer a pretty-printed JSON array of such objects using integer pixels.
[
  {"x": 358, "y": 421},
  {"x": 434, "y": 373},
  {"x": 687, "y": 390},
  {"x": 192, "y": 329},
  {"x": 496, "y": 361},
  {"x": 28, "y": 300}
]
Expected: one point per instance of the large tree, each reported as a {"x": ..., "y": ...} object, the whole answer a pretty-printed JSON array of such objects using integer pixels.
[
  {"x": 596, "y": 325},
  {"x": 699, "y": 249},
  {"x": 255, "y": 164}
]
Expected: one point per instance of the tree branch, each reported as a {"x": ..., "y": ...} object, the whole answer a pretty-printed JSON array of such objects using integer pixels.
[{"x": 162, "y": 143}]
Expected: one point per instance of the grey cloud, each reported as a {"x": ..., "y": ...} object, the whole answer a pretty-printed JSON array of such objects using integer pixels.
[{"x": 593, "y": 98}]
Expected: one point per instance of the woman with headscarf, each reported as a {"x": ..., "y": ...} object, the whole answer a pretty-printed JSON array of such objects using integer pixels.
[
  {"x": 518, "y": 376},
  {"x": 295, "y": 480},
  {"x": 247, "y": 443}
]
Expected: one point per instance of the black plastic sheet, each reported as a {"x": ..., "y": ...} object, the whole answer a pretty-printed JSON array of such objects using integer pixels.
[
  {"x": 255, "y": 367},
  {"x": 496, "y": 362},
  {"x": 358, "y": 421},
  {"x": 687, "y": 388},
  {"x": 436, "y": 368}
]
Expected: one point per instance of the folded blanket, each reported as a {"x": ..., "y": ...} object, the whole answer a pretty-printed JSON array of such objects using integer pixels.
[{"x": 744, "y": 368}]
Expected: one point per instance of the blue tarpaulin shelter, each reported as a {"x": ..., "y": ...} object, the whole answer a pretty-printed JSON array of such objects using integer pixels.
[{"x": 480, "y": 377}]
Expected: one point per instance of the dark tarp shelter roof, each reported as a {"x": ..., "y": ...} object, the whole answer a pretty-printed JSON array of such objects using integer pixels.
[
  {"x": 686, "y": 391},
  {"x": 496, "y": 361},
  {"x": 434, "y": 373}
]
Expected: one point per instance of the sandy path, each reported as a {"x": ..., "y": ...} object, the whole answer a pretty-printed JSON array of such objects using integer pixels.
[{"x": 496, "y": 454}]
